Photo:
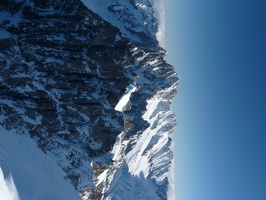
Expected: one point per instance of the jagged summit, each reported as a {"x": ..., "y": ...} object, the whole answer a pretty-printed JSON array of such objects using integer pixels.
[{"x": 92, "y": 91}]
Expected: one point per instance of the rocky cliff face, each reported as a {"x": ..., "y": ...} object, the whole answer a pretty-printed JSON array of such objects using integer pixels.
[{"x": 94, "y": 96}]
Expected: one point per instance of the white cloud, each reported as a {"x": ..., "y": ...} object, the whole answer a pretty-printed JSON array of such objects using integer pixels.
[
  {"x": 160, "y": 15},
  {"x": 171, "y": 178}
]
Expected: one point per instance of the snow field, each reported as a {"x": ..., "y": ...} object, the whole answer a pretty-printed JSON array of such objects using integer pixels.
[{"x": 34, "y": 174}]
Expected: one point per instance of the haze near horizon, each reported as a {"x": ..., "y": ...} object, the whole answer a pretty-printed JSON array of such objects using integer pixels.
[{"x": 218, "y": 49}]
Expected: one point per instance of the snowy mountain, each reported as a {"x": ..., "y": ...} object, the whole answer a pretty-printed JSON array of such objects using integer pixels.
[
  {"x": 134, "y": 18},
  {"x": 85, "y": 95}
]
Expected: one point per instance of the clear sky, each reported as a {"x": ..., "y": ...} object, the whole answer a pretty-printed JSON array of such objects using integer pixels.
[{"x": 219, "y": 50}]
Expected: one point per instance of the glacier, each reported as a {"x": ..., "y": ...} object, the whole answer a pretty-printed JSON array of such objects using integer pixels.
[{"x": 85, "y": 100}]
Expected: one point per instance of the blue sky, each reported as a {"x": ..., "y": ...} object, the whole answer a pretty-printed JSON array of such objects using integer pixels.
[{"x": 219, "y": 51}]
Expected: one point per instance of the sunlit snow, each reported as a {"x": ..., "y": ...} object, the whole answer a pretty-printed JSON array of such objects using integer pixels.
[
  {"x": 121, "y": 106},
  {"x": 8, "y": 190}
]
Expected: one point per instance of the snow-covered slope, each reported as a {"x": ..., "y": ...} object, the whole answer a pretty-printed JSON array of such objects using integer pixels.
[
  {"x": 28, "y": 173},
  {"x": 85, "y": 95}
]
